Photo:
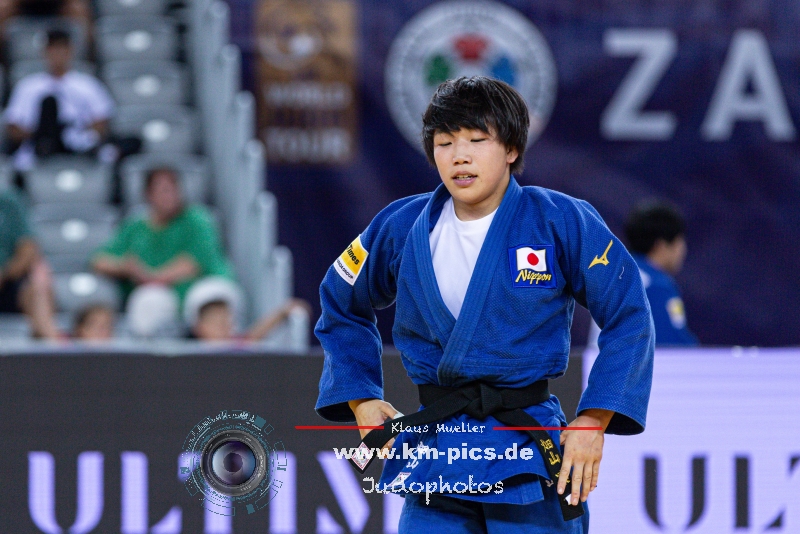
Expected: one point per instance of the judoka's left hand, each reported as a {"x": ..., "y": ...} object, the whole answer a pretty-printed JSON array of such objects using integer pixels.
[
  {"x": 583, "y": 450},
  {"x": 372, "y": 412}
]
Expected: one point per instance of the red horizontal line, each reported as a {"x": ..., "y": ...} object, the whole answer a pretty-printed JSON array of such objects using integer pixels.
[
  {"x": 523, "y": 428},
  {"x": 338, "y": 427},
  {"x": 547, "y": 428}
]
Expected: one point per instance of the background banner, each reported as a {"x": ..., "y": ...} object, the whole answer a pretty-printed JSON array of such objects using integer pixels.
[
  {"x": 697, "y": 103},
  {"x": 306, "y": 90},
  {"x": 721, "y": 452},
  {"x": 97, "y": 438}
]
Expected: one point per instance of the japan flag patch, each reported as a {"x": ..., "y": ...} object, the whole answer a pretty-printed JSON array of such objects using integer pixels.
[
  {"x": 532, "y": 266},
  {"x": 528, "y": 258}
]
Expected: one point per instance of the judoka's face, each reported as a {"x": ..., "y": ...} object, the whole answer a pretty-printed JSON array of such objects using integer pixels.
[{"x": 474, "y": 167}]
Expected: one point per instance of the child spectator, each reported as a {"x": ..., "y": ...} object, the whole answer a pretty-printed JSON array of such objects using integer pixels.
[
  {"x": 212, "y": 306},
  {"x": 94, "y": 323}
]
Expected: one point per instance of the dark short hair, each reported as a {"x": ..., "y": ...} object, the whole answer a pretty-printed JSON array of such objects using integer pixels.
[
  {"x": 650, "y": 221},
  {"x": 155, "y": 171},
  {"x": 57, "y": 36},
  {"x": 478, "y": 103}
]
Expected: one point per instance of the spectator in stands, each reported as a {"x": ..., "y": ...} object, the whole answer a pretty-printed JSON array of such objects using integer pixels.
[
  {"x": 93, "y": 323},
  {"x": 212, "y": 305},
  {"x": 655, "y": 233},
  {"x": 173, "y": 245},
  {"x": 58, "y": 111},
  {"x": 25, "y": 284}
]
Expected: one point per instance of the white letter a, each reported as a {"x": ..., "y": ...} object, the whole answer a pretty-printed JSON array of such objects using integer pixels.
[{"x": 748, "y": 63}]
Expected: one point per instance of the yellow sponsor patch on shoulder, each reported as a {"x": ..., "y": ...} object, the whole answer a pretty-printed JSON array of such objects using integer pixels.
[
  {"x": 677, "y": 313},
  {"x": 350, "y": 263}
]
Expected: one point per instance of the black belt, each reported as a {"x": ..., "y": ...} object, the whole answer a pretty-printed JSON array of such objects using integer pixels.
[{"x": 479, "y": 400}]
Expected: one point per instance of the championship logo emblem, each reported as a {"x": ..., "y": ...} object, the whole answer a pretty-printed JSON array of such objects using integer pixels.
[
  {"x": 532, "y": 266},
  {"x": 455, "y": 38}
]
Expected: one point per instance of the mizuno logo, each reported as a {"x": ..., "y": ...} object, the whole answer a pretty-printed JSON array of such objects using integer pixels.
[{"x": 602, "y": 259}]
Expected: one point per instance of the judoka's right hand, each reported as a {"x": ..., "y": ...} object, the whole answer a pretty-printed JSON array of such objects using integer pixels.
[{"x": 372, "y": 412}]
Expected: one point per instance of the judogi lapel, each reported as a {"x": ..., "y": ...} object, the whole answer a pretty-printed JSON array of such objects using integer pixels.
[{"x": 458, "y": 333}]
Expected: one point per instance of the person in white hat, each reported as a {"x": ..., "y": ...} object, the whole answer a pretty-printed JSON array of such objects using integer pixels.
[{"x": 213, "y": 305}]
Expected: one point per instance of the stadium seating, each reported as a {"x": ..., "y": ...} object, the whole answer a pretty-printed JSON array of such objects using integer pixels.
[
  {"x": 162, "y": 128},
  {"x": 131, "y": 7},
  {"x": 24, "y": 67},
  {"x": 75, "y": 291},
  {"x": 69, "y": 179},
  {"x": 156, "y": 73},
  {"x": 69, "y": 263},
  {"x": 139, "y": 37},
  {"x": 14, "y": 326},
  {"x": 73, "y": 228},
  {"x": 146, "y": 82},
  {"x": 193, "y": 171},
  {"x": 26, "y": 37}
]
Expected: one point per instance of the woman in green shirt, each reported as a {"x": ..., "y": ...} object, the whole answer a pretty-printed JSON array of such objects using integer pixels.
[{"x": 173, "y": 245}]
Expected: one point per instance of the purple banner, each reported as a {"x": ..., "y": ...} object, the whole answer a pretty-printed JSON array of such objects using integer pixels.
[
  {"x": 697, "y": 103},
  {"x": 657, "y": 482}
]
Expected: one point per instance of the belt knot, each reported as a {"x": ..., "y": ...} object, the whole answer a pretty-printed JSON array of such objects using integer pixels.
[{"x": 486, "y": 400}]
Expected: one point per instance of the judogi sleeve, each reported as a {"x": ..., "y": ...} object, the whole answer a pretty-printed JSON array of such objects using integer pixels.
[
  {"x": 669, "y": 315},
  {"x": 604, "y": 278},
  {"x": 361, "y": 280}
]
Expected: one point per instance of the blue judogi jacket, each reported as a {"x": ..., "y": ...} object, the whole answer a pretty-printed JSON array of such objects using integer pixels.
[
  {"x": 513, "y": 329},
  {"x": 669, "y": 315}
]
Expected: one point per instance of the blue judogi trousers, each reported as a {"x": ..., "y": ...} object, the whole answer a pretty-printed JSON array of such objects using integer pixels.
[{"x": 448, "y": 515}]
